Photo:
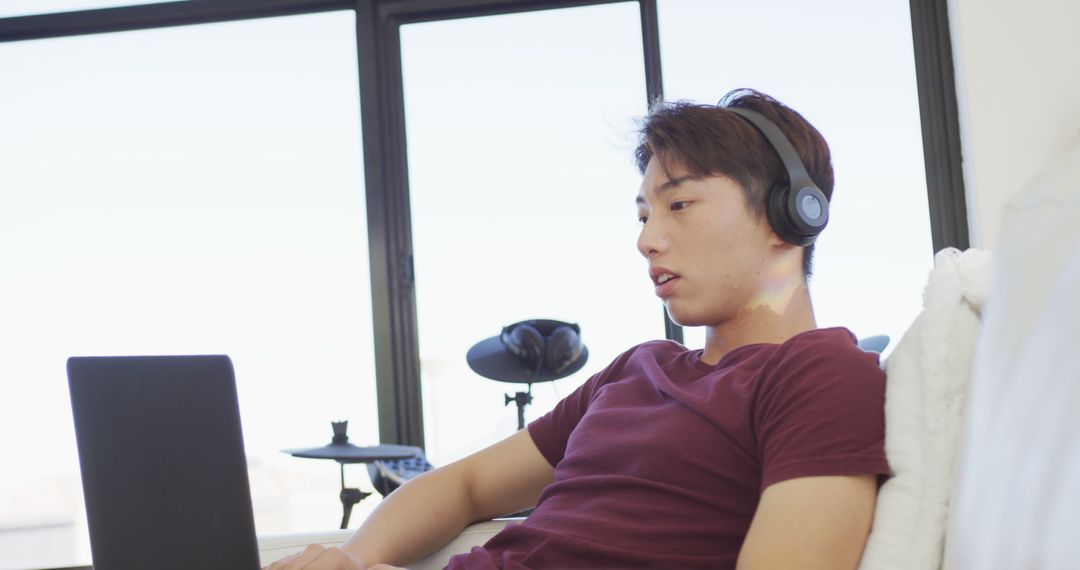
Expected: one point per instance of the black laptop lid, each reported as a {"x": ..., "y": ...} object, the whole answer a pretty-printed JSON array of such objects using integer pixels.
[{"x": 162, "y": 458}]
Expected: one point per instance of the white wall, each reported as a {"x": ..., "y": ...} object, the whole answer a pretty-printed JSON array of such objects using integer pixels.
[{"x": 1018, "y": 89}]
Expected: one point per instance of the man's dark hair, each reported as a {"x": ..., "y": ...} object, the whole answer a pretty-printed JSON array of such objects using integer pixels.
[{"x": 708, "y": 140}]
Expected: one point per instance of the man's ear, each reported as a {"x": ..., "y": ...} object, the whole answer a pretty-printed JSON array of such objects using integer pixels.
[
  {"x": 782, "y": 247},
  {"x": 775, "y": 240},
  {"x": 763, "y": 223}
]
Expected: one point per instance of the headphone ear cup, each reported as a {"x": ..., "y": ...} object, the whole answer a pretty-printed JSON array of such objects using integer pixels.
[
  {"x": 808, "y": 210},
  {"x": 563, "y": 348},
  {"x": 526, "y": 343},
  {"x": 776, "y": 211}
]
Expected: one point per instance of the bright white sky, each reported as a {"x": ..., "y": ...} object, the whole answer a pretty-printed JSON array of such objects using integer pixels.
[{"x": 200, "y": 190}]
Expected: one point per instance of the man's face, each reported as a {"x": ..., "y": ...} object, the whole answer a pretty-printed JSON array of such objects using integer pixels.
[{"x": 726, "y": 262}]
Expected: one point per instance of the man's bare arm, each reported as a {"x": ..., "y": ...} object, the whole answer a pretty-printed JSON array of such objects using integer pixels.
[
  {"x": 811, "y": 523},
  {"x": 430, "y": 510}
]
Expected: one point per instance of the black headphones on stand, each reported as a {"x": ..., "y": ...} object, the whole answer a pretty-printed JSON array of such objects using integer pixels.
[
  {"x": 797, "y": 210},
  {"x": 555, "y": 349}
]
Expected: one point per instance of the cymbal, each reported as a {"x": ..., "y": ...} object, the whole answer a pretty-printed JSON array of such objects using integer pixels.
[
  {"x": 340, "y": 450},
  {"x": 349, "y": 453}
]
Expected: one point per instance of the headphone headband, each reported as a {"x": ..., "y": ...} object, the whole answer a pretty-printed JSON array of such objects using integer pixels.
[{"x": 799, "y": 178}]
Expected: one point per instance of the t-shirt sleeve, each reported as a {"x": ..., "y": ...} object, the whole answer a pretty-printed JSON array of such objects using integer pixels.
[
  {"x": 551, "y": 431},
  {"x": 821, "y": 412}
]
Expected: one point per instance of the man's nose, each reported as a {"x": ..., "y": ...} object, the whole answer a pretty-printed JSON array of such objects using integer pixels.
[{"x": 652, "y": 241}]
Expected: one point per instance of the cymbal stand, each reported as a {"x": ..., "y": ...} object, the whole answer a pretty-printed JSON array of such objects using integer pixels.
[
  {"x": 349, "y": 498},
  {"x": 522, "y": 399}
]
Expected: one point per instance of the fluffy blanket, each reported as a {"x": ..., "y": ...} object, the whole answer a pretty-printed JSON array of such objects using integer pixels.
[{"x": 928, "y": 375}]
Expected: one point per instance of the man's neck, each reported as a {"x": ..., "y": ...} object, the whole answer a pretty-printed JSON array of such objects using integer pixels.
[{"x": 764, "y": 323}]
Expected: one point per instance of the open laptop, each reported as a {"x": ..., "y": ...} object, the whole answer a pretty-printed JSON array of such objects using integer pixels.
[{"x": 163, "y": 468}]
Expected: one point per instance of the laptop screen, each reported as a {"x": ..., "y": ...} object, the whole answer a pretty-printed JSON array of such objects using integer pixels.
[{"x": 162, "y": 458}]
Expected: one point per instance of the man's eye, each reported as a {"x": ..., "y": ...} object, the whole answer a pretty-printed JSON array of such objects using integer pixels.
[
  {"x": 678, "y": 205},
  {"x": 643, "y": 219}
]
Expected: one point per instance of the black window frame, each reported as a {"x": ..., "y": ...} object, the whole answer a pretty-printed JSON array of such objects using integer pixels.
[{"x": 378, "y": 25}]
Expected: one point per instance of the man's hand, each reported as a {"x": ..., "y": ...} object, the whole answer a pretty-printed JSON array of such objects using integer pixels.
[{"x": 316, "y": 557}]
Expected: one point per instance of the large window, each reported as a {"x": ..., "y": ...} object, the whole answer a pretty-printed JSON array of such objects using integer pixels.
[
  {"x": 179, "y": 191},
  {"x": 522, "y": 184},
  {"x": 848, "y": 67},
  {"x": 200, "y": 190}
]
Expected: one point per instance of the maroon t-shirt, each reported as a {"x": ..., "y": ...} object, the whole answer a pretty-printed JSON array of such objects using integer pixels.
[{"x": 660, "y": 459}]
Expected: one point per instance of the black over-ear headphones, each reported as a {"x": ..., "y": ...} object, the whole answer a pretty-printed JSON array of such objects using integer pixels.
[
  {"x": 556, "y": 348},
  {"x": 797, "y": 210}
]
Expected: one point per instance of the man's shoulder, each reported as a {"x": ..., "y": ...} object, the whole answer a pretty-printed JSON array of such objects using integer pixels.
[
  {"x": 827, "y": 335},
  {"x": 652, "y": 350},
  {"x": 830, "y": 351},
  {"x": 652, "y": 347},
  {"x": 832, "y": 341},
  {"x": 661, "y": 350},
  {"x": 661, "y": 345}
]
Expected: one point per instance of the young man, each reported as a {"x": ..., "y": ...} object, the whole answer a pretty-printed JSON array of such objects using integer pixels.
[{"x": 762, "y": 451}]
